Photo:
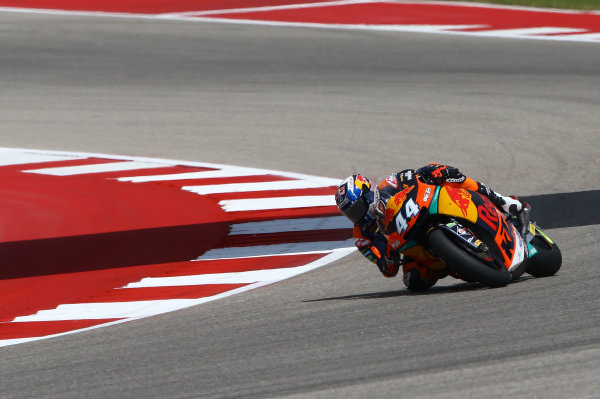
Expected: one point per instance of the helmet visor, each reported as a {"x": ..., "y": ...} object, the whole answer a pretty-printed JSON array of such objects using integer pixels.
[{"x": 356, "y": 212}]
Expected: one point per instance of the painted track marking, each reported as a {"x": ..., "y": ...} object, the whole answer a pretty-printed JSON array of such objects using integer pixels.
[
  {"x": 266, "y": 242},
  {"x": 403, "y": 16}
]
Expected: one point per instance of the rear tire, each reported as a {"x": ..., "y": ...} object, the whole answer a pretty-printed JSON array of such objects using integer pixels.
[
  {"x": 463, "y": 264},
  {"x": 547, "y": 261}
]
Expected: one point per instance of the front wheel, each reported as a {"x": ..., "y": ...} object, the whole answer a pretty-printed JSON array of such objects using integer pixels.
[
  {"x": 547, "y": 261},
  {"x": 463, "y": 264}
]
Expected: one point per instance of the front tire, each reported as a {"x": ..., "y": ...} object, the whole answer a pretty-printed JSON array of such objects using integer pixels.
[
  {"x": 463, "y": 264},
  {"x": 547, "y": 261}
]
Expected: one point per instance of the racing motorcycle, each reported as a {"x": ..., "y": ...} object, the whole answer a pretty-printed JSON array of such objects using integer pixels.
[{"x": 461, "y": 232}]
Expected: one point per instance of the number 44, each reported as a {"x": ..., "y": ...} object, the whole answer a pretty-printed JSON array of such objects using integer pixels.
[{"x": 410, "y": 209}]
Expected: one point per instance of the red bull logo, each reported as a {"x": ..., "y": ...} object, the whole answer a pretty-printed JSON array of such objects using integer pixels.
[
  {"x": 461, "y": 198},
  {"x": 400, "y": 197}
]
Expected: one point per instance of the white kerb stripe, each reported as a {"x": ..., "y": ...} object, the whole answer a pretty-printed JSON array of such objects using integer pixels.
[
  {"x": 8, "y": 157},
  {"x": 529, "y": 31},
  {"x": 261, "y": 186},
  {"x": 209, "y": 174},
  {"x": 256, "y": 204},
  {"x": 275, "y": 249},
  {"x": 579, "y": 37},
  {"x": 247, "y": 277},
  {"x": 108, "y": 310},
  {"x": 284, "y": 225},
  {"x": 96, "y": 168}
]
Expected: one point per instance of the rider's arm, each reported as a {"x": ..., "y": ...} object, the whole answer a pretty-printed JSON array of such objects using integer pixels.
[
  {"x": 373, "y": 246},
  {"x": 434, "y": 173}
]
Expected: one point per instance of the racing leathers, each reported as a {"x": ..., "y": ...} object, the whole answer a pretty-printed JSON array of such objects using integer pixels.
[{"x": 372, "y": 243}]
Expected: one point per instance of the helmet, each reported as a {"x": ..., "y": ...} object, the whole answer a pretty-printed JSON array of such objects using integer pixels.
[{"x": 354, "y": 197}]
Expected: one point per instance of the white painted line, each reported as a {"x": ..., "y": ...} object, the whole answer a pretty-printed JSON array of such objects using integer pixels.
[
  {"x": 286, "y": 225},
  {"x": 248, "y": 277},
  {"x": 296, "y": 248},
  {"x": 109, "y": 310},
  {"x": 583, "y": 37},
  {"x": 256, "y": 204},
  {"x": 266, "y": 8},
  {"x": 529, "y": 31},
  {"x": 263, "y": 186},
  {"x": 499, "y": 6},
  {"x": 11, "y": 157},
  {"x": 95, "y": 168},
  {"x": 209, "y": 174}
]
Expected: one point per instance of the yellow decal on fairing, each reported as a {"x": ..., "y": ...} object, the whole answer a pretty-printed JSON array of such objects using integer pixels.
[{"x": 457, "y": 202}]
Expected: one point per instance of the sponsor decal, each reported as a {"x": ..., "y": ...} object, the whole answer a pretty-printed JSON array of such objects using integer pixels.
[
  {"x": 340, "y": 197},
  {"x": 360, "y": 181},
  {"x": 392, "y": 181},
  {"x": 427, "y": 194},
  {"x": 406, "y": 175},
  {"x": 461, "y": 198},
  {"x": 400, "y": 197},
  {"x": 361, "y": 242},
  {"x": 455, "y": 180},
  {"x": 396, "y": 244}
]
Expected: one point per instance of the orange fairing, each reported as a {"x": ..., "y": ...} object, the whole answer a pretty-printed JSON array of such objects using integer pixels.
[
  {"x": 479, "y": 210},
  {"x": 402, "y": 210}
]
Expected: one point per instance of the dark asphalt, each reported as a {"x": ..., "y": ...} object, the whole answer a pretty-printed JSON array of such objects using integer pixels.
[{"x": 520, "y": 115}]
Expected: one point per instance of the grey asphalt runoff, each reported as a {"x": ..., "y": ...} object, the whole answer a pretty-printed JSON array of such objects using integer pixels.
[{"x": 520, "y": 115}]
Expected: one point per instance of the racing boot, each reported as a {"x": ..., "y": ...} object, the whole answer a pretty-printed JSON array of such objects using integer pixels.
[
  {"x": 523, "y": 219},
  {"x": 510, "y": 205}
]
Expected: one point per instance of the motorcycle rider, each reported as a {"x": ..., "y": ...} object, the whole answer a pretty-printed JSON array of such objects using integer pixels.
[{"x": 355, "y": 200}]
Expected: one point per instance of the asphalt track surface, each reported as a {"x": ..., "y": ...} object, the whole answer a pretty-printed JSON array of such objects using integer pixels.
[{"x": 520, "y": 115}]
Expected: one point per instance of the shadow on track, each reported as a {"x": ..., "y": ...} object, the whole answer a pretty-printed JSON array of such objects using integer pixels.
[
  {"x": 451, "y": 289},
  {"x": 553, "y": 211}
]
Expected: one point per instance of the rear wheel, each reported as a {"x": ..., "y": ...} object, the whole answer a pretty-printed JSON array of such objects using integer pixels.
[
  {"x": 463, "y": 264},
  {"x": 547, "y": 261}
]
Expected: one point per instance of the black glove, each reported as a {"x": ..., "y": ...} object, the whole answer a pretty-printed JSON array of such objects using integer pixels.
[
  {"x": 413, "y": 281},
  {"x": 389, "y": 266},
  {"x": 437, "y": 174}
]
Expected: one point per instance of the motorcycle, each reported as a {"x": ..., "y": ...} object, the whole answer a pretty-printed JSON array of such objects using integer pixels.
[{"x": 461, "y": 232}]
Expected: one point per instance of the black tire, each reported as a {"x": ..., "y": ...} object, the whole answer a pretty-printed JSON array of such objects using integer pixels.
[
  {"x": 465, "y": 265},
  {"x": 547, "y": 261}
]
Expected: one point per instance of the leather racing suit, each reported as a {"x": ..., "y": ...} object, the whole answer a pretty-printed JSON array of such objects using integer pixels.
[{"x": 371, "y": 242}]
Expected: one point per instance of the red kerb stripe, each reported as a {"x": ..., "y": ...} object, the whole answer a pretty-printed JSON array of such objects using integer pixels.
[
  {"x": 160, "y": 170},
  {"x": 56, "y": 164},
  {"x": 157, "y": 293},
  {"x": 270, "y": 214},
  {"x": 244, "y": 240},
  {"x": 42, "y": 328}
]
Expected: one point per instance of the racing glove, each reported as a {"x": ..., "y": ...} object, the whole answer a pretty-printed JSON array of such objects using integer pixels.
[
  {"x": 389, "y": 265},
  {"x": 438, "y": 174}
]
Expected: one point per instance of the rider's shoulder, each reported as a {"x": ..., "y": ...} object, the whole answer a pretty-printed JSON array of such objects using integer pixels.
[
  {"x": 406, "y": 175},
  {"x": 396, "y": 180}
]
